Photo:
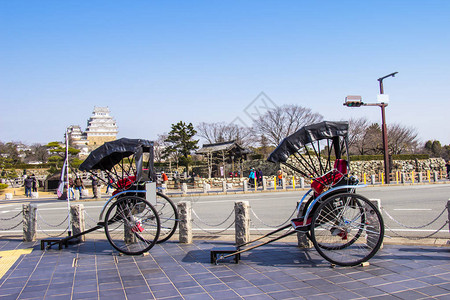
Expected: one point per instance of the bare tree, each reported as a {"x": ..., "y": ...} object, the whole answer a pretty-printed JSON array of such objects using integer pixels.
[
  {"x": 162, "y": 151},
  {"x": 223, "y": 132},
  {"x": 39, "y": 153},
  {"x": 365, "y": 138},
  {"x": 159, "y": 146},
  {"x": 278, "y": 123},
  {"x": 372, "y": 141},
  {"x": 401, "y": 139},
  {"x": 356, "y": 133}
]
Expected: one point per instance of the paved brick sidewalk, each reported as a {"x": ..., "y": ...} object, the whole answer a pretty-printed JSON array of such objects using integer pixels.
[{"x": 173, "y": 271}]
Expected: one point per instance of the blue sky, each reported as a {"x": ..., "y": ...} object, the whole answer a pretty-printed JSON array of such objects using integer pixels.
[{"x": 154, "y": 63}]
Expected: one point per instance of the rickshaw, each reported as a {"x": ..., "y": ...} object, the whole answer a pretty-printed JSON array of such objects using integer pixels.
[
  {"x": 137, "y": 215},
  {"x": 345, "y": 228}
]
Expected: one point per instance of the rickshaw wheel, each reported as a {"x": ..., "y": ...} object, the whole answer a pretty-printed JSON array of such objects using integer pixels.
[
  {"x": 168, "y": 217},
  {"x": 347, "y": 229},
  {"x": 132, "y": 225}
]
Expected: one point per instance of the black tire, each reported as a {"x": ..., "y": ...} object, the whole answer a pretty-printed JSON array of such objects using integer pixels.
[
  {"x": 347, "y": 229},
  {"x": 132, "y": 225},
  {"x": 168, "y": 217}
]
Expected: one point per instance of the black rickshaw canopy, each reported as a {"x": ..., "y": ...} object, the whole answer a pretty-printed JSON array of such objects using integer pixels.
[
  {"x": 108, "y": 155},
  {"x": 307, "y": 135}
]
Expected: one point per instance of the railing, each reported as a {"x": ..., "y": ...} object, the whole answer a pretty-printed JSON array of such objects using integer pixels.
[{"x": 238, "y": 219}]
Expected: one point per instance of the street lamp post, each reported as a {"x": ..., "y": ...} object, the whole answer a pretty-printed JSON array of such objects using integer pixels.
[
  {"x": 383, "y": 105},
  {"x": 356, "y": 101},
  {"x": 387, "y": 178}
]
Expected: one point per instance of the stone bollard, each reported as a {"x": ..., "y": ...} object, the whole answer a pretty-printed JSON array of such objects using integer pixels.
[
  {"x": 302, "y": 239},
  {"x": 8, "y": 196},
  {"x": 205, "y": 188},
  {"x": 224, "y": 186},
  {"x": 76, "y": 194},
  {"x": 435, "y": 176},
  {"x": 242, "y": 222},
  {"x": 245, "y": 185},
  {"x": 448, "y": 214},
  {"x": 128, "y": 235},
  {"x": 34, "y": 195},
  {"x": 98, "y": 193},
  {"x": 29, "y": 222},
  {"x": 370, "y": 218},
  {"x": 77, "y": 217},
  {"x": 163, "y": 189},
  {"x": 302, "y": 183},
  {"x": 283, "y": 183},
  {"x": 184, "y": 188},
  {"x": 372, "y": 179},
  {"x": 185, "y": 224},
  {"x": 85, "y": 193},
  {"x": 264, "y": 183},
  {"x": 420, "y": 177}
]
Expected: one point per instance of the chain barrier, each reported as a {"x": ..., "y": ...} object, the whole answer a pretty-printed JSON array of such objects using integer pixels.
[
  {"x": 259, "y": 232},
  {"x": 416, "y": 237},
  {"x": 49, "y": 235},
  {"x": 11, "y": 228},
  {"x": 8, "y": 219},
  {"x": 212, "y": 225},
  {"x": 413, "y": 227},
  {"x": 253, "y": 226},
  {"x": 90, "y": 218},
  {"x": 213, "y": 232},
  {"x": 273, "y": 226},
  {"x": 43, "y": 221}
]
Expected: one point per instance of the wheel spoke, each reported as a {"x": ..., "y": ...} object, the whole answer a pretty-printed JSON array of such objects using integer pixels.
[
  {"x": 132, "y": 225},
  {"x": 344, "y": 232}
]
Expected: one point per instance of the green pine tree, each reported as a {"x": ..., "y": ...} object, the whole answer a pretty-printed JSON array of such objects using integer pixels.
[{"x": 181, "y": 142}]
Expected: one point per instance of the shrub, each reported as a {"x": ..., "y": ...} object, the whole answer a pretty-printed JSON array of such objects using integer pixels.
[{"x": 394, "y": 157}]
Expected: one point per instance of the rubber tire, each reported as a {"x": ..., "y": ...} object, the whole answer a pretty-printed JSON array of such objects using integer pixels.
[
  {"x": 109, "y": 222},
  {"x": 164, "y": 236},
  {"x": 323, "y": 249}
]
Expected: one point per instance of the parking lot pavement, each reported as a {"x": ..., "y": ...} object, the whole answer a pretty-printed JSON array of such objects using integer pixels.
[{"x": 91, "y": 270}]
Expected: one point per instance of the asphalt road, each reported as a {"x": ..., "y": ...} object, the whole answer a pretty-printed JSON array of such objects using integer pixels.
[{"x": 412, "y": 206}]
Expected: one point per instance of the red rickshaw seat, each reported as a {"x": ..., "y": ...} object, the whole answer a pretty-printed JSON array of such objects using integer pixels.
[{"x": 322, "y": 183}]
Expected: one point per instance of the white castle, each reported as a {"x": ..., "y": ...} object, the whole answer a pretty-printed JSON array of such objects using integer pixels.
[{"x": 101, "y": 128}]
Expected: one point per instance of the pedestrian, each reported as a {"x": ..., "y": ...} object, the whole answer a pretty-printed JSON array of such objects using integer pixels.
[
  {"x": 251, "y": 177},
  {"x": 260, "y": 177},
  {"x": 94, "y": 182},
  {"x": 109, "y": 186},
  {"x": 35, "y": 183},
  {"x": 448, "y": 168},
  {"x": 164, "y": 177},
  {"x": 280, "y": 177},
  {"x": 28, "y": 184},
  {"x": 71, "y": 192},
  {"x": 79, "y": 186}
]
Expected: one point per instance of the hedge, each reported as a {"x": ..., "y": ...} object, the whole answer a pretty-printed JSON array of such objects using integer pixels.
[
  {"x": 394, "y": 157},
  {"x": 29, "y": 166}
]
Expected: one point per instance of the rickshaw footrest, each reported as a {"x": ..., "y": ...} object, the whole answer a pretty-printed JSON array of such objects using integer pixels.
[
  {"x": 298, "y": 224},
  {"x": 60, "y": 241},
  {"x": 215, "y": 253}
]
